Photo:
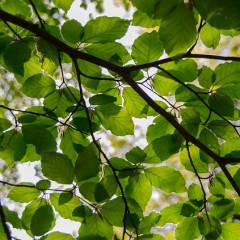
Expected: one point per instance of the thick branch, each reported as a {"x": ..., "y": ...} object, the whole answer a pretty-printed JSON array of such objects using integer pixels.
[{"x": 125, "y": 73}]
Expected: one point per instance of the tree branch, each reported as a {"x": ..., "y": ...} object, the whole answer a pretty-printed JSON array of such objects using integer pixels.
[{"x": 125, "y": 73}]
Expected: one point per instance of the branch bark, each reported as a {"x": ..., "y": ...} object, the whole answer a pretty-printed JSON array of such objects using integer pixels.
[{"x": 125, "y": 73}]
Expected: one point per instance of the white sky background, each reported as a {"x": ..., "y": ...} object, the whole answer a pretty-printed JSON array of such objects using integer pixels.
[{"x": 26, "y": 171}]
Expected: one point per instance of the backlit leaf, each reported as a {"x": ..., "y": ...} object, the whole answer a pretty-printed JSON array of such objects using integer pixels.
[
  {"x": 166, "y": 178},
  {"x": 104, "y": 29},
  {"x": 57, "y": 167}
]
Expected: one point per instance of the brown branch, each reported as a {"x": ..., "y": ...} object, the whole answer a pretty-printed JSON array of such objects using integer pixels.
[{"x": 125, "y": 73}]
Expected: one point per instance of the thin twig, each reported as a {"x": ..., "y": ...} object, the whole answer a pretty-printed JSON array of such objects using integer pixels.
[
  {"x": 199, "y": 179},
  {"x": 126, "y": 211}
]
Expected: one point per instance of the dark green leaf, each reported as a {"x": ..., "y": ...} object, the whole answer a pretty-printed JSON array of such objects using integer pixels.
[
  {"x": 178, "y": 30},
  {"x": 17, "y": 53},
  {"x": 136, "y": 155},
  {"x": 222, "y": 104},
  {"x": 72, "y": 31},
  {"x": 43, "y": 184},
  {"x": 40, "y": 137},
  {"x": 65, "y": 204},
  {"x": 87, "y": 164},
  {"x": 43, "y": 220},
  {"x": 162, "y": 148},
  {"x": 57, "y": 167},
  {"x": 4, "y": 124},
  {"x": 101, "y": 99},
  {"x": 220, "y": 13}
]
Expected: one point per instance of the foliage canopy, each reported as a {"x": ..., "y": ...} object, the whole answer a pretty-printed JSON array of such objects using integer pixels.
[{"x": 66, "y": 84}]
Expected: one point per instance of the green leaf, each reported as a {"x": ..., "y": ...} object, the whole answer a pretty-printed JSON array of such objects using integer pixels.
[
  {"x": 178, "y": 30},
  {"x": 64, "y": 4},
  {"x": 190, "y": 120},
  {"x": 87, "y": 164},
  {"x": 206, "y": 77},
  {"x": 222, "y": 104},
  {"x": 13, "y": 146},
  {"x": 72, "y": 31},
  {"x": 148, "y": 222},
  {"x": 134, "y": 104},
  {"x": 17, "y": 53},
  {"x": 139, "y": 188},
  {"x": 222, "y": 209},
  {"x": 195, "y": 192},
  {"x": 23, "y": 194},
  {"x": 147, "y": 48},
  {"x": 43, "y": 184},
  {"x": 115, "y": 119},
  {"x": 94, "y": 227},
  {"x": 166, "y": 178},
  {"x": 223, "y": 129},
  {"x": 57, "y": 167},
  {"x": 4, "y": 124},
  {"x": 209, "y": 139},
  {"x": 104, "y": 29},
  {"x": 117, "y": 207},
  {"x": 101, "y": 99},
  {"x": 230, "y": 231},
  {"x": 199, "y": 163},
  {"x": 136, "y": 155},
  {"x": 16, "y": 7},
  {"x": 65, "y": 204},
  {"x": 162, "y": 148},
  {"x": 171, "y": 214},
  {"x": 164, "y": 8},
  {"x": 38, "y": 86},
  {"x": 187, "y": 229},
  {"x": 212, "y": 229},
  {"x": 147, "y": 7},
  {"x": 221, "y": 14},
  {"x": 142, "y": 19},
  {"x": 161, "y": 127},
  {"x": 40, "y": 137},
  {"x": 109, "y": 51},
  {"x": 184, "y": 70},
  {"x": 57, "y": 235},
  {"x": 210, "y": 36},
  {"x": 164, "y": 85},
  {"x": 43, "y": 220},
  {"x": 30, "y": 210},
  {"x": 13, "y": 218}
]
